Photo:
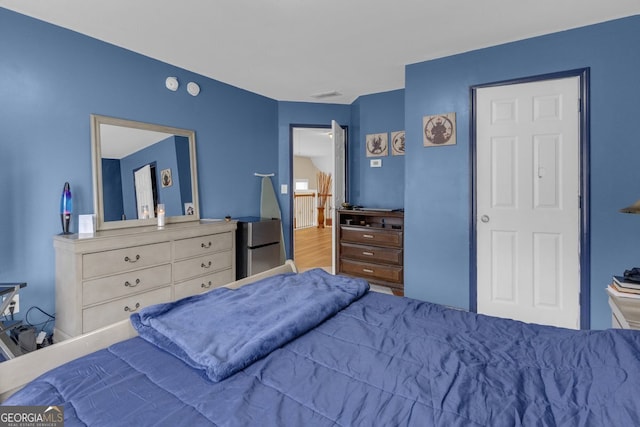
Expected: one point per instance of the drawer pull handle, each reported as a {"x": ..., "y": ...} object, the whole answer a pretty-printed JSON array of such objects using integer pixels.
[
  {"x": 367, "y": 253},
  {"x": 366, "y": 270},
  {"x": 127, "y": 283},
  {"x": 127, "y": 259},
  {"x": 202, "y": 245},
  {"x": 368, "y": 236},
  {"x": 203, "y": 265},
  {"x": 126, "y": 307},
  {"x": 206, "y": 285}
]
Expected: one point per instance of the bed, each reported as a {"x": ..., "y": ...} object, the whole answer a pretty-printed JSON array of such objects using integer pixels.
[{"x": 311, "y": 349}]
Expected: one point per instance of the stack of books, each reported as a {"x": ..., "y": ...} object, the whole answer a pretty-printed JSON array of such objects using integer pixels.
[{"x": 624, "y": 287}]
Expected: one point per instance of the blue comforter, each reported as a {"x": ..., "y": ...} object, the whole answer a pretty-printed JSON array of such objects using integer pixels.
[
  {"x": 381, "y": 361},
  {"x": 225, "y": 330}
]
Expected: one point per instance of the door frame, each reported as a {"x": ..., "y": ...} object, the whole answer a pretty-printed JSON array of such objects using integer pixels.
[
  {"x": 584, "y": 146},
  {"x": 292, "y": 178}
]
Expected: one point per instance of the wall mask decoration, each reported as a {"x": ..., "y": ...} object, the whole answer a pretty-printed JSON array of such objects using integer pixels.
[
  {"x": 439, "y": 130},
  {"x": 377, "y": 145},
  {"x": 397, "y": 143}
]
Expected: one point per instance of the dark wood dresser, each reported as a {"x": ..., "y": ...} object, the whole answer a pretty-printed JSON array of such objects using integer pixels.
[{"x": 371, "y": 246}]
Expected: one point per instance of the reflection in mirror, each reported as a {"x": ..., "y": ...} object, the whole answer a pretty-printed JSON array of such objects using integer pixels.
[{"x": 138, "y": 166}]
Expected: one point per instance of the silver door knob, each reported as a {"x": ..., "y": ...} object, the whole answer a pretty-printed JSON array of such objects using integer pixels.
[{"x": 484, "y": 218}]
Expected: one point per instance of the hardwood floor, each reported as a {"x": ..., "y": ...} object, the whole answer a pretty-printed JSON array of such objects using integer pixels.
[{"x": 312, "y": 247}]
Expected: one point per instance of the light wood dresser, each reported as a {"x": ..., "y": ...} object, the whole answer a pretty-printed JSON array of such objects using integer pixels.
[
  {"x": 103, "y": 279},
  {"x": 371, "y": 246}
]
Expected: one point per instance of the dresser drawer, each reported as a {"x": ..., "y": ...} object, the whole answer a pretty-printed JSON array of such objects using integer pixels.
[
  {"x": 120, "y": 260},
  {"x": 371, "y": 253},
  {"x": 195, "y": 246},
  {"x": 198, "y": 266},
  {"x": 99, "y": 290},
  {"x": 114, "y": 311},
  {"x": 203, "y": 284},
  {"x": 366, "y": 270},
  {"x": 371, "y": 236}
]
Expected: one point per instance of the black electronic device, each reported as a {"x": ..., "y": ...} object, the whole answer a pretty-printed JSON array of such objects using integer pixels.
[
  {"x": 25, "y": 337},
  {"x": 632, "y": 275}
]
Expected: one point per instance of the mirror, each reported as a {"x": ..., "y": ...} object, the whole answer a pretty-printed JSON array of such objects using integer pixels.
[{"x": 137, "y": 166}]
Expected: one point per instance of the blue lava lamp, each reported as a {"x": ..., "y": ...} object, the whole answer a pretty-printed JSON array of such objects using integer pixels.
[{"x": 66, "y": 207}]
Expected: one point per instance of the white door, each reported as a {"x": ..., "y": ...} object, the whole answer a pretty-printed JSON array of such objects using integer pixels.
[
  {"x": 528, "y": 208},
  {"x": 144, "y": 192},
  {"x": 338, "y": 183}
]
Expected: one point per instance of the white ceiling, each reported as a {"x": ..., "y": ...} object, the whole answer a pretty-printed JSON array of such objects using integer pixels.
[
  {"x": 290, "y": 50},
  {"x": 312, "y": 142},
  {"x": 117, "y": 142}
]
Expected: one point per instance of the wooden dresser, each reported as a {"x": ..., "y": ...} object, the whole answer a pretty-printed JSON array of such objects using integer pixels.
[
  {"x": 103, "y": 279},
  {"x": 371, "y": 246}
]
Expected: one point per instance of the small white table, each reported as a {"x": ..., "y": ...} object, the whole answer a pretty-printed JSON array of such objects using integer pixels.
[{"x": 625, "y": 312}]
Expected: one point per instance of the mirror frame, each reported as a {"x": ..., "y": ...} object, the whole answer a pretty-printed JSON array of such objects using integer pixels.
[{"x": 96, "y": 154}]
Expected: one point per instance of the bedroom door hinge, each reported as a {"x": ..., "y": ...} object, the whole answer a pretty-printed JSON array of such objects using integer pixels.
[{"x": 579, "y": 299}]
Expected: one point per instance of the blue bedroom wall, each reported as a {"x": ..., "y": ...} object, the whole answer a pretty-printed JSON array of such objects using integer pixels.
[
  {"x": 437, "y": 180},
  {"x": 52, "y": 80},
  {"x": 300, "y": 113},
  {"x": 112, "y": 189},
  {"x": 381, "y": 187}
]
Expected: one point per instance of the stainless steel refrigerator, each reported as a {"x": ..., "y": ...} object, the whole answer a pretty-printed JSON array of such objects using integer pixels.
[{"x": 257, "y": 245}]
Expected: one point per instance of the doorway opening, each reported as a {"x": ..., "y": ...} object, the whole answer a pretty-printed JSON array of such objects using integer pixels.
[
  {"x": 145, "y": 181},
  {"x": 313, "y": 153}
]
